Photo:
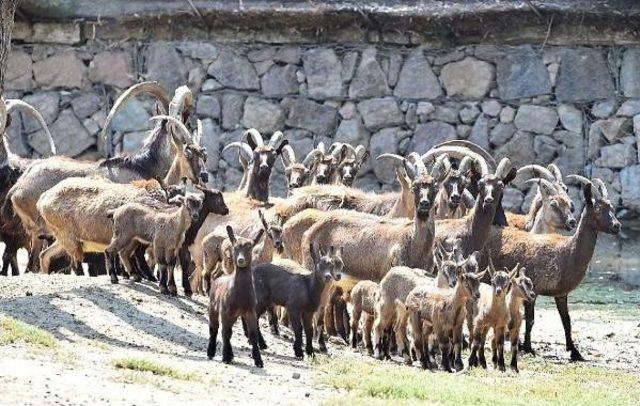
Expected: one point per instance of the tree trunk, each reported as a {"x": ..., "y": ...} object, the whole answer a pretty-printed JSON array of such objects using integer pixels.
[{"x": 7, "y": 10}]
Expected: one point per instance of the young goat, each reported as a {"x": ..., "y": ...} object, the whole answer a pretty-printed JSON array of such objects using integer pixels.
[
  {"x": 298, "y": 173},
  {"x": 233, "y": 296},
  {"x": 336, "y": 316},
  {"x": 490, "y": 312},
  {"x": 521, "y": 291},
  {"x": 430, "y": 309},
  {"x": 363, "y": 297},
  {"x": 164, "y": 229},
  {"x": 286, "y": 283}
]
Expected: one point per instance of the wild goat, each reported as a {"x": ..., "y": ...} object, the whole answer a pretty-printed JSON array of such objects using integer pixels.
[
  {"x": 163, "y": 229},
  {"x": 350, "y": 165},
  {"x": 299, "y": 173},
  {"x": 555, "y": 263},
  {"x": 12, "y": 167},
  {"x": 363, "y": 298},
  {"x": 288, "y": 284},
  {"x": 336, "y": 316},
  {"x": 490, "y": 311},
  {"x": 74, "y": 210},
  {"x": 327, "y": 166},
  {"x": 551, "y": 208},
  {"x": 433, "y": 310},
  {"x": 243, "y": 204},
  {"x": 153, "y": 160},
  {"x": 521, "y": 291},
  {"x": 233, "y": 296}
]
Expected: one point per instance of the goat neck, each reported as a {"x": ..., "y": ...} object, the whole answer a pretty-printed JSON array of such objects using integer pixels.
[
  {"x": 541, "y": 225},
  {"x": 479, "y": 222},
  {"x": 582, "y": 243},
  {"x": 514, "y": 300},
  {"x": 258, "y": 185}
]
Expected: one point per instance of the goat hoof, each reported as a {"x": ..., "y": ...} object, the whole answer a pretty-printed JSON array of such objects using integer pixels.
[
  {"x": 502, "y": 368},
  {"x": 259, "y": 364},
  {"x": 370, "y": 352},
  {"x": 515, "y": 369},
  {"x": 114, "y": 280},
  {"x": 576, "y": 356},
  {"x": 173, "y": 291},
  {"x": 527, "y": 349},
  {"x": 164, "y": 290},
  {"x": 227, "y": 359},
  {"x": 263, "y": 345},
  {"x": 137, "y": 277}
]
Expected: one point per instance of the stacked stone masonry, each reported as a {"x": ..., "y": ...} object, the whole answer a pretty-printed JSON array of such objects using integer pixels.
[{"x": 578, "y": 107}]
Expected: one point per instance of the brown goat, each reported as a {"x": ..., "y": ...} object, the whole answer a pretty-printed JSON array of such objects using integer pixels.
[
  {"x": 233, "y": 296},
  {"x": 521, "y": 291},
  {"x": 336, "y": 316},
  {"x": 363, "y": 297},
  {"x": 432, "y": 310},
  {"x": 299, "y": 173},
  {"x": 555, "y": 263}
]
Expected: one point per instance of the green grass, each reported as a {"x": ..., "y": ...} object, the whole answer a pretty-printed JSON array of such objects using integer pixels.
[
  {"x": 539, "y": 383},
  {"x": 15, "y": 331},
  {"x": 146, "y": 365}
]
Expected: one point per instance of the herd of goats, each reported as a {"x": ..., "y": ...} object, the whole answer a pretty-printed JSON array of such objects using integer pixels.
[{"x": 426, "y": 259}]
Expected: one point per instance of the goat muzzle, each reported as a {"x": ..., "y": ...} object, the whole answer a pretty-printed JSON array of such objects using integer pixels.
[
  {"x": 616, "y": 227},
  {"x": 241, "y": 262},
  {"x": 571, "y": 224},
  {"x": 204, "y": 177}
]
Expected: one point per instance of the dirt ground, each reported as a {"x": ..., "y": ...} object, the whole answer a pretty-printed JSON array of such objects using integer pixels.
[{"x": 96, "y": 323}]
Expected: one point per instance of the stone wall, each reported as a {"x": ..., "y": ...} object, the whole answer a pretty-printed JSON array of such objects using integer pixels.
[{"x": 576, "y": 106}]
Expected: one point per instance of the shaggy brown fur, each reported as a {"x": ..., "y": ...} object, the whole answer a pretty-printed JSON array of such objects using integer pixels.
[
  {"x": 521, "y": 291},
  {"x": 363, "y": 297}
]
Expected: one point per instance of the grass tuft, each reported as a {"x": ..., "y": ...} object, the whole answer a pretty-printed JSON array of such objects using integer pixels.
[
  {"x": 14, "y": 331},
  {"x": 146, "y": 365},
  {"x": 538, "y": 383}
]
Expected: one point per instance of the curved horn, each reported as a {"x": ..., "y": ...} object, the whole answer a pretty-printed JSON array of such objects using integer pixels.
[
  {"x": 3, "y": 117},
  {"x": 441, "y": 167},
  {"x": 288, "y": 156},
  {"x": 580, "y": 179},
  {"x": 545, "y": 182},
  {"x": 351, "y": 150},
  {"x": 602, "y": 188},
  {"x": 253, "y": 136},
  {"x": 360, "y": 152},
  {"x": 312, "y": 157},
  {"x": 19, "y": 105},
  {"x": 182, "y": 99},
  {"x": 321, "y": 147},
  {"x": 336, "y": 149},
  {"x": 417, "y": 162},
  {"x": 458, "y": 153},
  {"x": 276, "y": 139},
  {"x": 555, "y": 170},
  {"x": 197, "y": 138},
  {"x": 465, "y": 164},
  {"x": 473, "y": 147},
  {"x": 503, "y": 167},
  {"x": 534, "y": 171},
  {"x": 400, "y": 162},
  {"x": 185, "y": 135},
  {"x": 152, "y": 88},
  {"x": 246, "y": 152}
]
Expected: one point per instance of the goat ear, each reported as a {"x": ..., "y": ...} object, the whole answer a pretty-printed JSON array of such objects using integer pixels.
[
  {"x": 510, "y": 176},
  {"x": 258, "y": 237},
  {"x": 262, "y": 220},
  {"x": 231, "y": 235},
  {"x": 314, "y": 252},
  {"x": 282, "y": 145}
]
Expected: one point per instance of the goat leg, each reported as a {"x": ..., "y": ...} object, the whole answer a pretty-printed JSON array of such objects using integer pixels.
[
  {"x": 227, "y": 330},
  {"x": 273, "y": 321},
  {"x": 514, "y": 350},
  {"x": 475, "y": 346},
  {"x": 187, "y": 270},
  {"x": 457, "y": 349},
  {"x": 252, "y": 325},
  {"x": 499, "y": 339},
  {"x": 307, "y": 323},
  {"x": 529, "y": 315},
  {"x": 162, "y": 272},
  {"x": 481, "y": 359},
  {"x": 171, "y": 281},
  {"x": 322, "y": 346},
  {"x": 109, "y": 259},
  {"x": 214, "y": 323},
  {"x": 563, "y": 309},
  {"x": 366, "y": 333},
  {"x": 338, "y": 317},
  {"x": 142, "y": 266},
  {"x": 296, "y": 326},
  {"x": 445, "y": 347},
  {"x": 5, "y": 262},
  {"x": 355, "y": 320},
  {"x": 378, "y": 336},
  {"x": 329, "y": 320}
]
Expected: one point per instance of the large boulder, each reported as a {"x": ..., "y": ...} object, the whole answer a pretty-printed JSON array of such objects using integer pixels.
[
  {"x": 382, "y": 112},
  {"x": 570, "y": 117},
  {"x": 538, "y": 119},
  {"x": 469, "y": 77},
  {"x": 263, "y": 115},
  {"x": 324, "y": 73},
  {"x": 519, "y": 149},
  {"x": 19, "y": 71},
  {"x": 430, "y": 134},
  {"x": 352, "y": 131},
  {"x": 630, "y": 187},
  {"x": 280, "y": 81},
  {"x": 617, "y": 156},
  {"x": 164, "y": 64},
  {"x": 369, "y": 79},
  {"x": 47, "y": 104},
  {"x": 232, "y": 107},
  {"x": 584, "y": 76},
  {"x": 85, "y": 104},
  {"x": 309, "y": 115},
  {"x": 65, "y": 70},
  {"x": 522, "y": 74},
  {"x": 480, "y": 132},
  {"x": 417, "y": 80},
  {"x": 69, "y": 134},
  {"x": 234, "y": 71},
  {"x": 208, "y": 106},
  {"x": 382, "y": 142},
  {"x": 630, "y": 72},
  {"x": 112, "y": 69}
]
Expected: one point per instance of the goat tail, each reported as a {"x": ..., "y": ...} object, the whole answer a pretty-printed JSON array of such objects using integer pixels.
[{"x": 6, "y": 211}]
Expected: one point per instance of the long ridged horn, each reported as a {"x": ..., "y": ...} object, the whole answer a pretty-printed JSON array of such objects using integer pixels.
[
  {"x": 546, "y": 183},
  {"x": 503, "y": 168},
  {"x": 312, "y": 157},
  {"x": 336, "y": 149},
  {"x": 182, "y": 98},
  {"x": 458, "y": 153},
  {"x": 417, "y": 162},
  {"x": 19, "y": 105},
  {"x": 473, "y": 147},
  {"x": 351, "y": 150},
  {"x": 276, "y": 140},
  {"x": 246, "y": 152},
  {"x": 465, "y": 164},
  {"x": 152, "y": 88},
  {"x": 321, "y": 147},
  {"x": 197, "y": 138},
  {"x": 361, "y": 152},
  {"x": 185, "y": 135},
  {"x": 400, "y": 162},
  {"x": 441, "y": 167},
  {"x": 253, "y": 136},
  {"x": 555, "y": 170},
  {"x": 579, "y": 178},
  {"x": 3, "y": 116},
  {"x": 602, "y": 188},
  {"x": 288, "y": 156},
  {"x": 535, "y": 171}
]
